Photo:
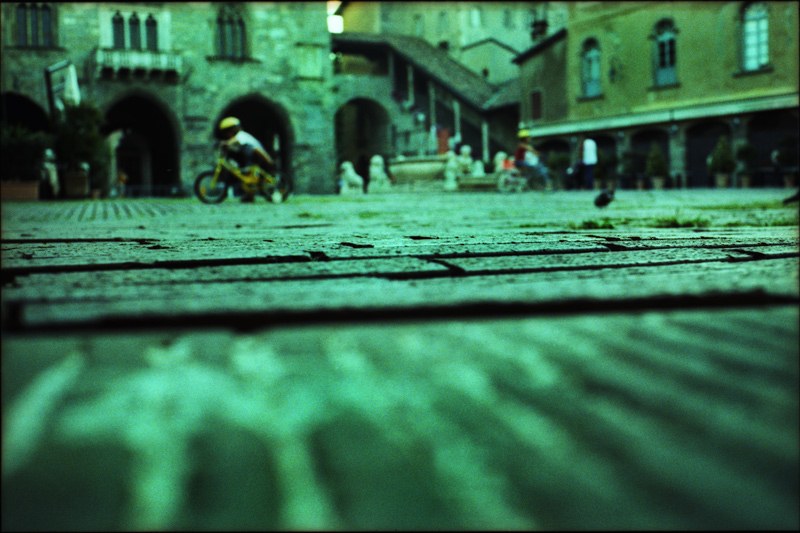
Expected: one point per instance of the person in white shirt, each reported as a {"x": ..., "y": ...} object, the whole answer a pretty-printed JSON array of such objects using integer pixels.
[{"x": 589, "y": 157}]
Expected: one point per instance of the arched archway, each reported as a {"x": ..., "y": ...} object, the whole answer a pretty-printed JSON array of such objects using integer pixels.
[
  {"x": 19, "y": 110},
  {"x": 147, "y": 150},
  {"x": 362, "y": 131},
  {"x": 269, "y": 123},
  {"x": 556, "y": 154},
  {"x": 700, "y": 142},
  {"x": 605, "y": 172},
  {"x": 765, "y": 132}
]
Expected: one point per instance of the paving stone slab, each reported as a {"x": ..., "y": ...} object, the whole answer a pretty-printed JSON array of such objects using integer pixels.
[{"x": 42, "y": 305}]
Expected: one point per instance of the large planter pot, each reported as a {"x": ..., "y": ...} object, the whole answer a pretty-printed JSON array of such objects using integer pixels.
[
  {"x": 745, "y": 181},
  {"x": 659, "y": 182},
  {"x": 417, "y": 169},
  {"x": 722, "y": 180},
  {"x": 19, "y": 190},
  {"x": 76, "y": 184}
]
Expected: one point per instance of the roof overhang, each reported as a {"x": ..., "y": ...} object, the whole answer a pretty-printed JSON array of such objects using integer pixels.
[{"x": 541, "y": 46}]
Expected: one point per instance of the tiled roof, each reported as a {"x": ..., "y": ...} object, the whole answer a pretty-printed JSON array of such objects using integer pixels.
[
  {"x": 436, "y": 63},
  {"x": 490, "y": 40},
  {"x": 505, "y": 95}
]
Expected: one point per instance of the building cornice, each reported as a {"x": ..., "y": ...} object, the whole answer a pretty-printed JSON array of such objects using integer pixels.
[{"x": 676, "y": 114}]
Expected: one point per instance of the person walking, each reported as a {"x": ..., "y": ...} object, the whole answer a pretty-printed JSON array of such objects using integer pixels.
[{"x": 589, "y": 158}]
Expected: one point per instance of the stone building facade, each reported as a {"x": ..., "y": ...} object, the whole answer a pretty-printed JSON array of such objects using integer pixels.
[
  {"x": 483, "y": 36},
  {"x": 676, "y": 74},
  {"x": 164, "y": 74}
]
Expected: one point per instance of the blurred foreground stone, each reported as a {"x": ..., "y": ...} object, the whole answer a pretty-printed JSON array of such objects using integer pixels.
[{"x": 460, "y": 361}]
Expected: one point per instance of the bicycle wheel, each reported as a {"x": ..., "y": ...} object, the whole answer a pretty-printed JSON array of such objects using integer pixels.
[
  {"x": 205, "y": 192},
  {"x": 275, "y": 190}
]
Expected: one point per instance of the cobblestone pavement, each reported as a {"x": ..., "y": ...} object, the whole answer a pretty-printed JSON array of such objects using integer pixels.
[{"x": 402, "y": 361}]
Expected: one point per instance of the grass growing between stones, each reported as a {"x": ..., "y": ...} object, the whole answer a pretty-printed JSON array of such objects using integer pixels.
[
  {"x": 789, "y": 220},
  {"x": 306, "y": 214},
  {"x": 677, "y": 222},
  {"x": 604, "y": 223}
]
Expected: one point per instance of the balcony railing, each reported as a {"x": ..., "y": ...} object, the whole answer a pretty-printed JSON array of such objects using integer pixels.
[{"x": 146, "y": 64}]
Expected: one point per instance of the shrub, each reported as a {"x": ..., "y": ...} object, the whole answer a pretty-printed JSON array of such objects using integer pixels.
[
  {"x": 78, "y": 139},
  {"x": 722, "y": 161},
  {"x": 656, "y": 165},
  {"x": 22, "y": 152}
]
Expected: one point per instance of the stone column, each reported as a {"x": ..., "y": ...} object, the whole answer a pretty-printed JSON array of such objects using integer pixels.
[
  {"x": 457, "y": 119},
  {"x": 738, "y": 136},
  {"x": 485, "y": 141},
  {"x": 677, "y": 153},
  {"x": 433, "y": 142},
  {"x": 410, "y": 74},
  {"x": 623, "y": 145}
]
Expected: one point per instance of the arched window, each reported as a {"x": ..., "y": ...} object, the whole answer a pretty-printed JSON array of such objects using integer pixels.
[
  {"x": 442, "y": 28},
  {"x": 135, "y": 27},
  {"x": 151, "y": 33},
  {"x": 47, "y": 27},
  {"x": 665, "y": 53},
  {"x": 590, "y": 68},
  {"x": 118, "y": 31},
  {"x": 476, "y": 17},
  {"x": 755, "y": 36},
  {"x": 241, "y": 38},
  {"x": 34, "y": 28},
  {"x": 419, "y": 26},
  {"x": 22, "y": 25},
  {"x": 34, "y": 25},
  {"x": 508, "y": 18},
  {"x": 231, "y": 34}
]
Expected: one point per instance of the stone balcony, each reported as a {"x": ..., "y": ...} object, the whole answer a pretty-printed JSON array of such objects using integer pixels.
[{"x": 138, "y": 64}]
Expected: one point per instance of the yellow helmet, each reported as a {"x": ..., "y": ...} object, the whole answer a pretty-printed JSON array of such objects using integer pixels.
[
  {"x": 229, "y": 123},
  {"x": 524, "y": 133}
]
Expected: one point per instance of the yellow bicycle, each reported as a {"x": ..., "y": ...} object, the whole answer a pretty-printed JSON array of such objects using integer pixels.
[{"x": 211, "y": 186}]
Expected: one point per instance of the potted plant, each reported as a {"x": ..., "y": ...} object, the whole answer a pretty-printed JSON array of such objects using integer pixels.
[
  {"x": 82, "y": 150},
  {"x": 721, "y": 162},
  {"x": 22, "y": 159},
  {"x": 656, "y": 166},
  {"x": 746, "y": 156}
]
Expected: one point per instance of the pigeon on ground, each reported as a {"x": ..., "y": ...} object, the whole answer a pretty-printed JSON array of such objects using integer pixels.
[{"x": 604, "y": 198}]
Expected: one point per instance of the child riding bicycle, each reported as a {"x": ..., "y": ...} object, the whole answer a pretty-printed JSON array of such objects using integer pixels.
[
  {"x": 527, "y": 161},
  {"x": 243, "y": 148}
]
